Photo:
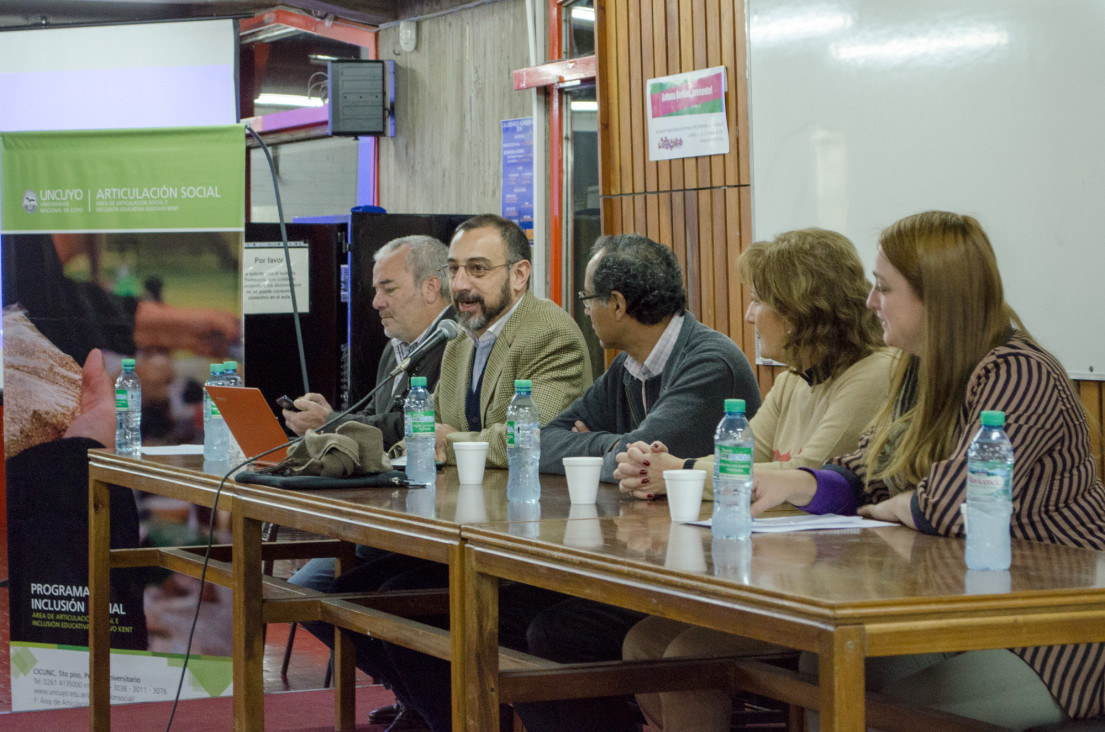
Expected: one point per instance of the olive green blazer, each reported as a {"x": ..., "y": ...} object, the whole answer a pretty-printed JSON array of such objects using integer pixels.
[{"x": 540, "y": 342}]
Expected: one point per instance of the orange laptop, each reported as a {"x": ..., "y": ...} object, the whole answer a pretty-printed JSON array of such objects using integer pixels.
[{"x": 251, "y": 421}]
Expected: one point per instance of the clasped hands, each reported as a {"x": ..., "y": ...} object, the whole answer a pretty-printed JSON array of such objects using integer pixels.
[{"x": 641, "y": 467}]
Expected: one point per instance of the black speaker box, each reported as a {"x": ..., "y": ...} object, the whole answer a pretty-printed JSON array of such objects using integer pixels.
[{"x": 358, "y": 94}]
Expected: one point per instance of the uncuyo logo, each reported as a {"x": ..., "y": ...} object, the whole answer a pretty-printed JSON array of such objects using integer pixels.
[{"x": 30, "y": 201}]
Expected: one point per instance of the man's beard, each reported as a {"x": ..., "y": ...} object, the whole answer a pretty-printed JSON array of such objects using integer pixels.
[{"x": 479, "y": 319}]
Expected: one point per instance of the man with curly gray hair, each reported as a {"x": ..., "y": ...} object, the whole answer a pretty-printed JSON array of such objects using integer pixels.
[{"x": 673, "y": 373}]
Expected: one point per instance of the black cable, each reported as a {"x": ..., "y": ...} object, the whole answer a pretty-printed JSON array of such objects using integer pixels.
[{"x": 287, "y": 258}]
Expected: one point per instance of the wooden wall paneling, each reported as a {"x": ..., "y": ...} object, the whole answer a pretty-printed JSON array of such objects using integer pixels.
[
  {"x": 606, "y": 89},
  {"x": 611, "y": 212},
  {"x": 674, "y": 33},
  {"x": 660, "y": 68},
  {"x": 663, "y": 208},
  {"x": 652, "y": 216},
  {"x": 636, "y": 113},
  {"x": 679, "y": 237},
  {"x": 625, "y": 140},
  {"x": 1093, "y": 400},
  {"x": 648, "y": 71},
  {"x": 700, "y": 22},
  {"x": 724, "y": 318},
  {"x": 740, "y": 99},
  {"x": 691, "y": 252},
  {"x": 739, "y": 203},
  {"x": 706, "y": 257},
  {"x": 627, "y": 215},
  {"x": 687, "y": 63},
  {"x": 716, "y": 57},
  {"x": 731, "y": 48}
]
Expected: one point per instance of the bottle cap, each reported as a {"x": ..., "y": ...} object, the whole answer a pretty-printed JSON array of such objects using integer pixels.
[
  {"x": 993, "y": 418},
  {"x": 734, "y": 405},
  {"x": 230, "y": 365},
  {"x": 522, "y": 384},
  {"x": 418, "y": 381},
  {"x": 128, "y": 363},
  {"x": 216, "y": 368}
]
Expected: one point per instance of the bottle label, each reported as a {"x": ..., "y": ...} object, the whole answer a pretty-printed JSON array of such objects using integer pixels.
[
  {"x": 735, "y": 461},
  {"x": 510, "y": 433},
  {"x": 214, "y": 410},
  {"x": 984, "y": 483},
  {"x": 422, "y": 422},
  {"x": 120, "y": 400}
]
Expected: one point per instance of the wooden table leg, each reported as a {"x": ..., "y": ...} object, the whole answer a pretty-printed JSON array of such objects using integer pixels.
[
  {"x": 457, "y": 634},
  {"x": 345, "y": 671},
  {"x": 481, "y": 643},
  {"x": 99, "y": 598},
  {"x": 248, "y": 642},
  {"x": 841, "y": 678}
]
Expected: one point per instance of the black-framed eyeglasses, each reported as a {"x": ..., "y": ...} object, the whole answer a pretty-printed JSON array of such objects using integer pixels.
[
  {"x": 475, "y": 270},
  {"x": 584, "y": 297}
]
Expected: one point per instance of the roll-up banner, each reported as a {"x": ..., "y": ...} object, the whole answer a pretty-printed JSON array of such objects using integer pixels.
[{"x": 125, "y": 243}]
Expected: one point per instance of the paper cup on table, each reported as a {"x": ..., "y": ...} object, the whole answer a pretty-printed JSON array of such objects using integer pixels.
[
  {"x": 471, "y": 458},
  {"x": 685, "y": 493},
  {"x": 583, "y": 478}
]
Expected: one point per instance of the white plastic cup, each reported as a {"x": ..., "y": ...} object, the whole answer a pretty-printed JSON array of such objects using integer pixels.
[
  {"x": 583, "y": 528},
  {"x": 685, "y": 493},
  {"x": 583, "y": 478},
  {"x": 471, "y": 459},
  {"x": 685, "y": 548}
]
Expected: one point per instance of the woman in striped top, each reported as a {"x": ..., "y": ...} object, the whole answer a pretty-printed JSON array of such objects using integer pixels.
[{"x": 939, "y": 298}]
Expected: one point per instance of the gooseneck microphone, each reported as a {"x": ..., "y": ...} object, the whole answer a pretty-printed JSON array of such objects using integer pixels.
[{"x": 446, "y": 330}]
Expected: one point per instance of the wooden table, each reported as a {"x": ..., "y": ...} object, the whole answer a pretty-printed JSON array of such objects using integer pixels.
[
  {"x": 417, "y": 521},
  {"x": 842, "y": 595}
]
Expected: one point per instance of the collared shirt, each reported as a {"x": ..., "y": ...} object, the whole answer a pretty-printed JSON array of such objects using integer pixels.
[
  {"x": 485, "y": 343},
  {"x": 402, "y": 350},
  {"x": 657, "y": 357}
]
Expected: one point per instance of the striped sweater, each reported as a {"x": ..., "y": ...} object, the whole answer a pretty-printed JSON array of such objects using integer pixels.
[{"x": 1057, "y": 495}]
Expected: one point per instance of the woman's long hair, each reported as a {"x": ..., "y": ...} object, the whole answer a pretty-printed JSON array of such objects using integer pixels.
[
  {"x": 949, "y": 264},
  {"x": 814, "y": 279}
]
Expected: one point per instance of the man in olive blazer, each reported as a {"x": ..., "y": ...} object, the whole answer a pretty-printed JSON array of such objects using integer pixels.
[{"x": 510, "y": 334}]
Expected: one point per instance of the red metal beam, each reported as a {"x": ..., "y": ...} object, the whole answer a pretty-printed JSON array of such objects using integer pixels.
[
  {"x": 336, "y": 29},
  {"x": 555, "y": 72}
]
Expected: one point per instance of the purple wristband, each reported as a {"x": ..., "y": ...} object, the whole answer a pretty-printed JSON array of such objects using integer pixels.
[{"x": 834, "y": 494}]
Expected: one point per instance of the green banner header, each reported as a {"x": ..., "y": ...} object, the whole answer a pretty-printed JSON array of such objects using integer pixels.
[{"x": 171, "y": 179}]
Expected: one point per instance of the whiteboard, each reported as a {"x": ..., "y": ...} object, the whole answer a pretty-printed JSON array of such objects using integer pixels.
[{"x": 865, "y": 111}]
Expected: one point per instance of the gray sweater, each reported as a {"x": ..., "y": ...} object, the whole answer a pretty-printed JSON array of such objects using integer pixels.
[{"x": 686, "y": 403}]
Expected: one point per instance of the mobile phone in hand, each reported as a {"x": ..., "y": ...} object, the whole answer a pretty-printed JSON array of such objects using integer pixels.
[{"x": 284, "y": 402}]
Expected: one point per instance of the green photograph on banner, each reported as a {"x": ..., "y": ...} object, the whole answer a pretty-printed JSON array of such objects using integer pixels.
[{"x": 123, "y": 180}]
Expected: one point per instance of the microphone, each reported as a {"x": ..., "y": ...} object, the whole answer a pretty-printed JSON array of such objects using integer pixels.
[{"x": 446, "y": 330}]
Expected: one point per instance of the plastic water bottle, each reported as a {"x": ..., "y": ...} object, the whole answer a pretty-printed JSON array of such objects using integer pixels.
[
  {"x": 523, "y": 445},
  {"x": 418, "y": 430},
  {"x": 128, "y": 411},
  {"x": 733, "y": 447},
  {"x": 231, "y": 377},
  {"x": 989, "y": 495},
  {"x": 216, "y": 435},
  {"x": 230, "y": 374}
]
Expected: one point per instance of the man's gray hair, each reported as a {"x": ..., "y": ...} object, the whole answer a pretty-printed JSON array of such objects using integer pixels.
[{"x": 426, "y": 256}]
